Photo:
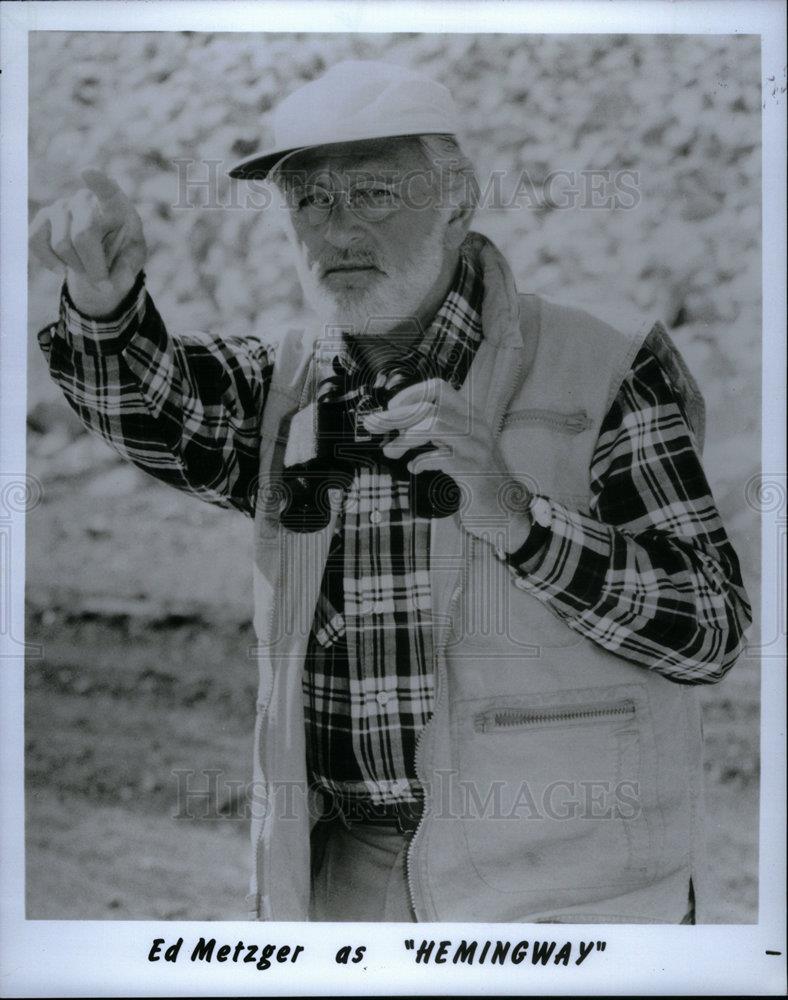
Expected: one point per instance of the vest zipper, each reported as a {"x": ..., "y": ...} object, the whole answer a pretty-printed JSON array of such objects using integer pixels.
[
  {"x": 261, "y": 846},
  {"x": 408, "y": 862},
  {"x": 498, "y": 416},
  {"x": 419, "y": 753},
  {"x": 501, "y": 719}
]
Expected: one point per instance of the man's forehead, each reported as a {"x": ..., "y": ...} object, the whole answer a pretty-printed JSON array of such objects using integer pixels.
[{"x": 374, "y": 156}]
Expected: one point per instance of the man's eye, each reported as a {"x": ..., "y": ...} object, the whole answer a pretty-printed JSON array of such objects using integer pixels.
[
  {"x": 378, "y": 197},
  {"x": 319, "y": 199}
]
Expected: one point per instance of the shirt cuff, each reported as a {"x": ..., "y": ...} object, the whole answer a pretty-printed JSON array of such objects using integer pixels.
[
  {"x": 109, "y": 334},
  {"x": 571, "y": 564},
  {"x": 523, "y": 557},
  {"x": 520, "y": 559}
]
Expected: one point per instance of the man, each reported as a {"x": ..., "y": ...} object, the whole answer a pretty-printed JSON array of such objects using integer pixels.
[{"x": 473, "y": 705}]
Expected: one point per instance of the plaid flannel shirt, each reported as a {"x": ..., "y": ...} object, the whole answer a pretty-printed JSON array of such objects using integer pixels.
[
  {"x": 368, "y": 685},
  {"x": 647, "y": 572}
]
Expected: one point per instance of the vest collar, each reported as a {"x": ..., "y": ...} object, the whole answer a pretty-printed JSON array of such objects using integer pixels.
[
  {"x": 496, "y": 372},
  {"x": 500, "y": 361},
  {"x": 500, "y": 309}
]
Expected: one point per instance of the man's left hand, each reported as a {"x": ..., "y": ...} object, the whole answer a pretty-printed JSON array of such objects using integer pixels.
[{"x": 465, "y": 448}]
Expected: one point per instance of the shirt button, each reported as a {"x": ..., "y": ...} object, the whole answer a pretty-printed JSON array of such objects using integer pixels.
[
  {"x": 365, "y": 608},
  {"x": 375, "y": 517},
  {"x": 521, "y": 583},
  {"x": 383, "y": 697}
]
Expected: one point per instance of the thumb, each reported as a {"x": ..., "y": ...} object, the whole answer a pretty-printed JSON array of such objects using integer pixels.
[{"x": 101, "y": 185}]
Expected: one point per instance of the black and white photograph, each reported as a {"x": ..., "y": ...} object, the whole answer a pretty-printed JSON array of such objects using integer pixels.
[{"x": 394, "y": 485}]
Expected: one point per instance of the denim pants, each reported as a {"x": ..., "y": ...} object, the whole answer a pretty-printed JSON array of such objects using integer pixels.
[{"x": 359, "y": 873}]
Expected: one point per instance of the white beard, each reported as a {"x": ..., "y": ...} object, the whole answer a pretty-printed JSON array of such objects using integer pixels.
[{"x": 396, "y": 296}]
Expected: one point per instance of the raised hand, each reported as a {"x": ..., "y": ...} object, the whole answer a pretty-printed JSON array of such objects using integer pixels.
[
  {"x": 465, "y": 448},
  {"x": 95, "y": 237}
]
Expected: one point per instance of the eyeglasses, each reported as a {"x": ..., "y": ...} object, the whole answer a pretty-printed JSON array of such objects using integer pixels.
[{"x": 372, "y": 203}]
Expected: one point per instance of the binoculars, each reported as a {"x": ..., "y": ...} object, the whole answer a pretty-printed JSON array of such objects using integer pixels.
[{"x": 328, "y": 442}]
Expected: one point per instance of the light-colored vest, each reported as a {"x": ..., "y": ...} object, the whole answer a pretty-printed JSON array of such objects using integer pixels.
[{"x": 563, "y": 783}]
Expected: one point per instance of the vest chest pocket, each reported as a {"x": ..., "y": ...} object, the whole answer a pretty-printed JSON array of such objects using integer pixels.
[
  {"x": 550, "y": 450},
  {"x": 556, "y": 791},
  {"x": 574, "y": 422}
]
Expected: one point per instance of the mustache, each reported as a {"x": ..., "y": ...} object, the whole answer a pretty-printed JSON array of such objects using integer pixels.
[{"x": 353, "y": 258}]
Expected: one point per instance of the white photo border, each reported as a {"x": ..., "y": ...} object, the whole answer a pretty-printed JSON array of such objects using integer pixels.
[{"x": 84, "y": 958}]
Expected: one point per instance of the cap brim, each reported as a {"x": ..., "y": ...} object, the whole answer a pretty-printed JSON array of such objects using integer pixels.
[{"x": 259, "y": 166}]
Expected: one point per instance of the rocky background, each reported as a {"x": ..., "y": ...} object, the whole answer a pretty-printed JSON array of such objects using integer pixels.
[{"x": 139, "y": 598}]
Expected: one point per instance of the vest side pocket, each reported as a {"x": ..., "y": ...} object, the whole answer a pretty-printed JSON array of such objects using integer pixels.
[{"x": 555, "y": 792}]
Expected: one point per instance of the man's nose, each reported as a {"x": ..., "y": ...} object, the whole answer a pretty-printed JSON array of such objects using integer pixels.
[{"x": 343, "y": 228}]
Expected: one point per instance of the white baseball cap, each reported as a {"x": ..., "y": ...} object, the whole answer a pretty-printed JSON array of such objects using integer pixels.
[{"x": 354, "y": 100}]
